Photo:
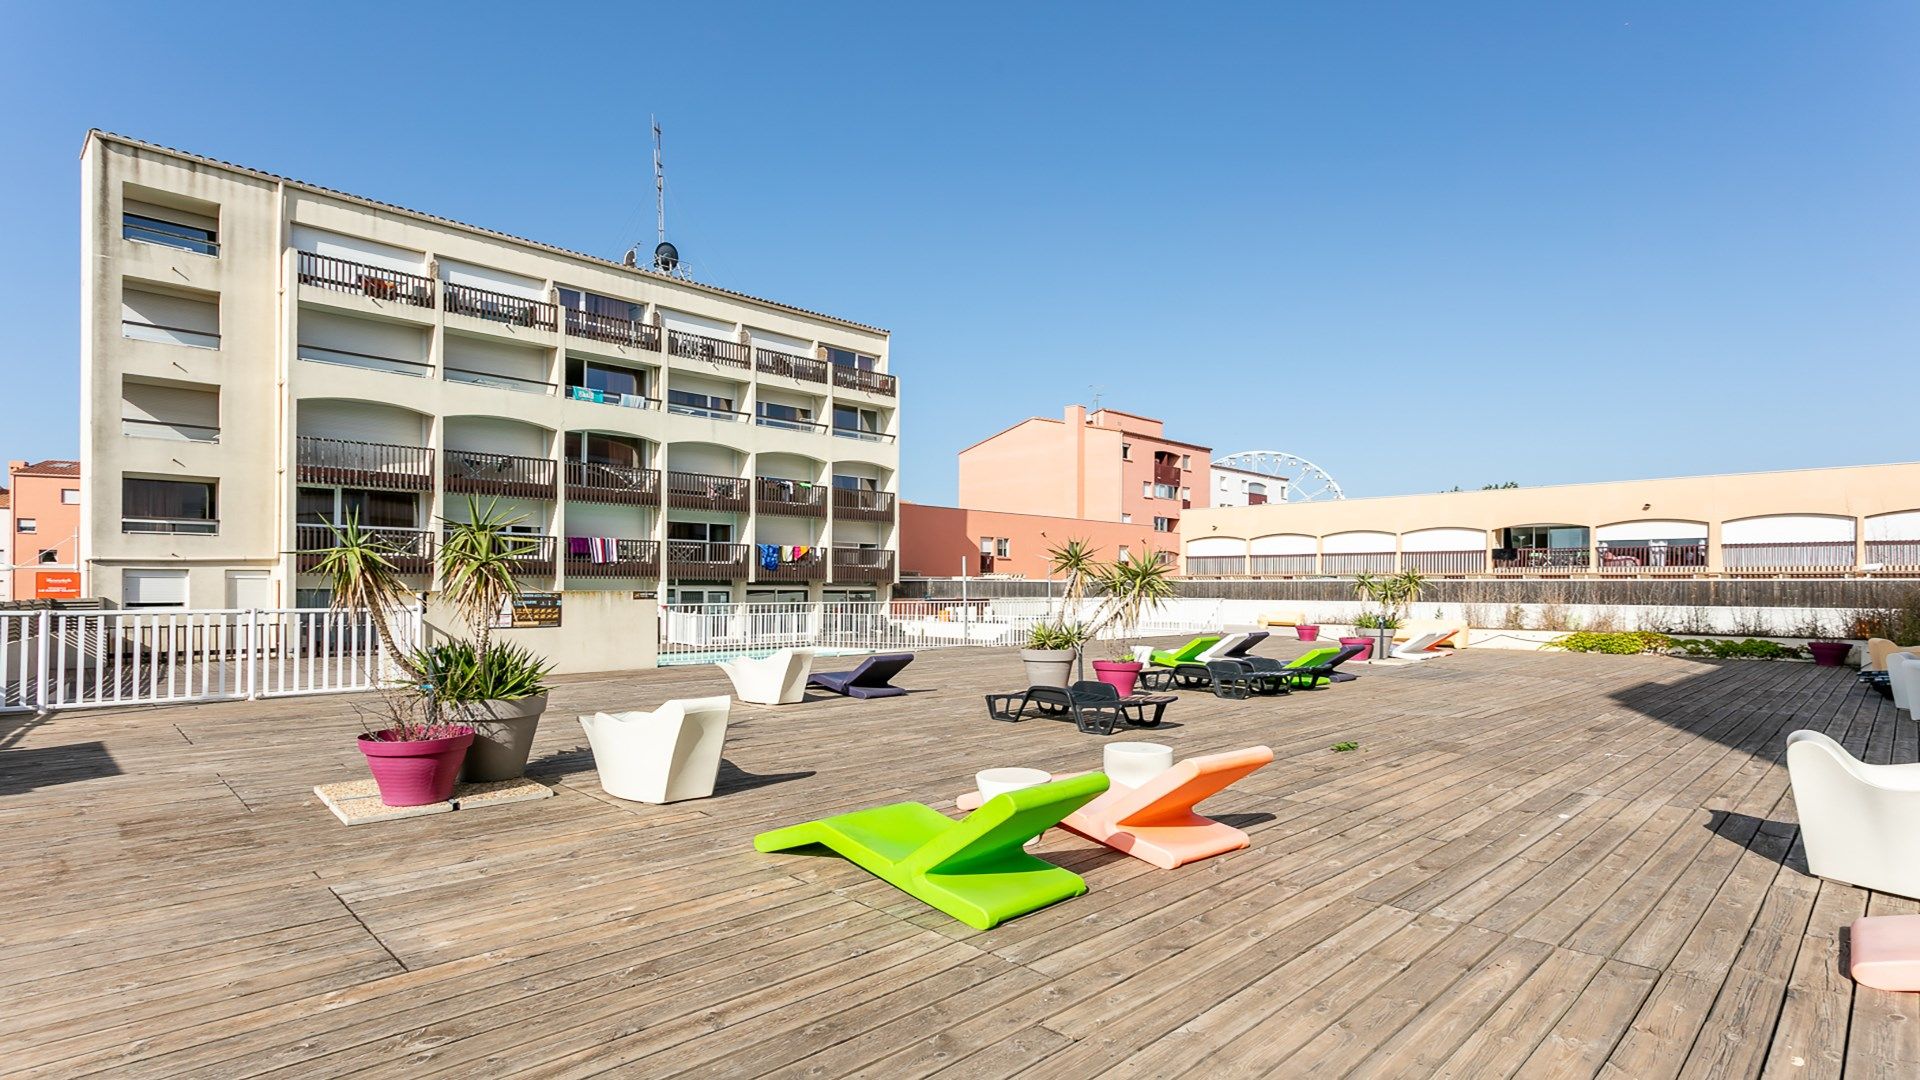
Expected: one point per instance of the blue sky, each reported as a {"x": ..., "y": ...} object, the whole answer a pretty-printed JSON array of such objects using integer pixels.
[{"x": 1422, "y": 244}]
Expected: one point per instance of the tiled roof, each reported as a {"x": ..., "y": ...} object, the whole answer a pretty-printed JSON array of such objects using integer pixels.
[
  {"x": 609, "y": 263},
  {"x": 50, "y": 467}
]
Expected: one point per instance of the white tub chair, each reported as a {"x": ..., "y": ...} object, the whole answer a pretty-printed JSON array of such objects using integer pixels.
[
  {"x": 1903, "y": 674},
  {"x": 1858, "y": 820},
  {"x": 780, "y": 679},
  {"x": 667, "y": 755}
]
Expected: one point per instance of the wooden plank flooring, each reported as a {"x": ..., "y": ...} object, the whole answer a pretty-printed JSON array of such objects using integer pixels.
[{"x": 1534, "y": 865}]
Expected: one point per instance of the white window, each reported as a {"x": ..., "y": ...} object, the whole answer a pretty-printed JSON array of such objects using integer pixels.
[
  {"x": 986, "y": 545},
  {"x": 70, "y": 496},
  {"x": 1126, "y": 451},
  {"x": 1002, "y": 548},
  {"x": 1186, "y": 493},
  {"x": 1125, "y": 553},
  {"x": 153, "y": 588},
  {"x": 1126, "y": 519},
  {"x": 1161, "y": 524},
  {"x": 1146, "y": 489},
  {"x": 27, "y": 525},
  {"x": 1186, "y": 461}
]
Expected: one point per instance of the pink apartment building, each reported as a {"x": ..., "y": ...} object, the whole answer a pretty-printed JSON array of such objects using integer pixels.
[{"x": 46, "y": 529}]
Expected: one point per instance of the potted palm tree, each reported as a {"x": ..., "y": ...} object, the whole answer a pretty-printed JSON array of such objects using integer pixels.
[
  {"x": 1055, "y": 642},
  {"x": 498, "y": 689},
  {"x": 1131, "y": 588},
  {"x": 415, "y": 753},
  {"x": 1393, "y": 595}
]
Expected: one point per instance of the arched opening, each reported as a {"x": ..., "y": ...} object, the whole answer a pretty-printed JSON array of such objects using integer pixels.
[
  {"x": 1444, "y": 551},
  {"x": 1283, "y": 553},
  {"x": 1542, "y": 547},
  {"x": 1651, "y": 546},
  {"x": 1787, "y": 543},
  {"x": 1361, "y": 551},
  {"x": 1216, "y": 556}
]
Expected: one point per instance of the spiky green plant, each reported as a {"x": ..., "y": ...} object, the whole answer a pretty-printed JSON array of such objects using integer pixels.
[
  {"x": 1131, "y": 589},
  {"x": 477, "y": 561},
  {"x": 360, "y": 572},
  {"x": 460, "y": 676}
]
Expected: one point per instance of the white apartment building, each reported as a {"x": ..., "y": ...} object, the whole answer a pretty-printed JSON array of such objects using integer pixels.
[
  {"x": 1244, "y": 487},
  {"x": 261, "y": 357}
]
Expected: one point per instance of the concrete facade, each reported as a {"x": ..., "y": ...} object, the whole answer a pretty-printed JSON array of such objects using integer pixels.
[
  {"x": 947, "y": 541},
  {"x": 43, "y": 530},
  {"x": 1828, "y": 522},
  {"x": 1229, "y": 486},
  {"x": 260, "y": 356}
]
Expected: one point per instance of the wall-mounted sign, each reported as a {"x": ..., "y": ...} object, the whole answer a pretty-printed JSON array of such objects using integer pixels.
[
  {"x": 56, "y": 585},
  {"x": 529, "y": 611}
]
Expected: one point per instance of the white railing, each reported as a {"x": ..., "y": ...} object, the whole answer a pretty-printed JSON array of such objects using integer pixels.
[
  {"x": 81, "y": 659},
  {"x": 703, "y": 633}
]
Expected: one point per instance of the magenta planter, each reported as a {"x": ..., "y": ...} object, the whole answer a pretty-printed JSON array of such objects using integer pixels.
[
  {"x": 1366, "y": 644},
  {"x": 415, "y": 773},
  {"x": 1119, "y": 674},
  {"x": 1307, "y": 632},
  {"x": 1829, "y": 653}
]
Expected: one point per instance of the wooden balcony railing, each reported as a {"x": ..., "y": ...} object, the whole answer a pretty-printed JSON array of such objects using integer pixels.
[
  {"x": 589, "y": 481},
  {"x": 586, "y": 324},
  {"x": 853, "y": 504},
  {"x": 1167, "y": 474},
  {"x": 484, "y": 473},
  {"x": 705, "y": 560},
  {"x": 1806, "y": 557},
  {"x": 807, "y": 368},
  {"x": 499, "y": 307},
  {"x": 1894, "y": 555},
  {"x": 590, "y": 557},
  {"x": 1655, "y": 557},
  {"x": 349, "y": 463},
  {"x": 862, "y": 565},
  {"x": 1445, "y": 562},
  {"x": 1280, "y": 564},
  {"x": 1357, "y": 562},
  {"x": 1542, "y": 560},
  {"x": 809, "y": 567},
  {"x": 700, "y": 491},
  {"x": 873, "y": 382},
  {"x": 775, "y": 496},
  {"x": 409, "y": 550},
  {"x": 532, "y": 553},
  {"x": 341, "y": 275},
  {"x": 1216, "y": 565},
  {"x": 701, "y": 347}
]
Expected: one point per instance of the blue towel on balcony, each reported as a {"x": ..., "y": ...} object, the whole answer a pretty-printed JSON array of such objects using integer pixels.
[{"x": 769, "y": 556}]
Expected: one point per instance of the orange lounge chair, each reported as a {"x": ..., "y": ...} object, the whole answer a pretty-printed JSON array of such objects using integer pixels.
[{"x": 1156, "y": 822}]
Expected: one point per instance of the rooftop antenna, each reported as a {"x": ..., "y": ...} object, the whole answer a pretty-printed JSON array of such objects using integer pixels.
[
  {"x": 1096, "y": 396},
  {"x": 666, "y": 258}
]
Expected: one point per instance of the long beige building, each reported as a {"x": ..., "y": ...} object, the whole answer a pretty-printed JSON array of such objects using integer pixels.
[
  {"x": 261, "y": 357},
  {"x": 1858, "y": 520}
]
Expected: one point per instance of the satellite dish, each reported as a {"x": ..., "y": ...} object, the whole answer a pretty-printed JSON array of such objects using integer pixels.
[
  {"x": 665, "y": 257},
  {"x": 631, "y": 258}
]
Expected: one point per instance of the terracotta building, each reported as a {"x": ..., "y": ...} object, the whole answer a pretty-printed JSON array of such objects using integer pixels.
[
  {"x": 948, "y": 541},
  {"x": 44, "y": 534}
]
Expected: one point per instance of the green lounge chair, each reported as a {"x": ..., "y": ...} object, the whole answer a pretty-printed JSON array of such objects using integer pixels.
[
  {"x": 1308, "y": 671},
  {"x": 972, "y": 869},
  {"x": 1185, "y": 654}
]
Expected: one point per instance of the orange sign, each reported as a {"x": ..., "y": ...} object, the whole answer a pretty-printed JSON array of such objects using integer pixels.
[{"x": 56, "y": 585}]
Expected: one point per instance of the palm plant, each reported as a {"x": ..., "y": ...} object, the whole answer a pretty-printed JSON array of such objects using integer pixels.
[
  {"x": 1132, "y": 588},
  {"x": 360, "y": 573},
  {"x": 1076, "y": 564},
  {"x": 477, "y": 562}
]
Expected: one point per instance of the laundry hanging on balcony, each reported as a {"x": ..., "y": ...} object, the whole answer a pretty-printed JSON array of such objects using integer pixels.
[{"x": 769, "y": 556}]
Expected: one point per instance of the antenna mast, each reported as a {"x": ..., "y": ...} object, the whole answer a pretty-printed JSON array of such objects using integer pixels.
[{"x": 659, "y": 183}]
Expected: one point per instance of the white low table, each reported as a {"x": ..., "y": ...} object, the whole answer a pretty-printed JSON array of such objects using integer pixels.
[
  {"x": 993, "y": 782},
  {"x": 1130, "y": 764}
]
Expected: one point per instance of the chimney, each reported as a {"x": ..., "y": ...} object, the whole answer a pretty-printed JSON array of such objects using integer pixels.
[{"x": 1077, "y": 415}]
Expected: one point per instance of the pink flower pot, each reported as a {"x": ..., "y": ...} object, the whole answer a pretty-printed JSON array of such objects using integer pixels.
[
  {"x": 1829, "y": 653},
  {"x": 1307, "y": 632},
  {"x": 1365, "y": 643},
  {"x": 418, "y": 772},
  {"x": 1119, "y": 674}
]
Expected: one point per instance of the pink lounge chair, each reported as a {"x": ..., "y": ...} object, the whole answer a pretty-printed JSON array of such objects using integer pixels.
[
  {"x": 1886, "y": 952},
  {"x": 1156, "y": 822}
]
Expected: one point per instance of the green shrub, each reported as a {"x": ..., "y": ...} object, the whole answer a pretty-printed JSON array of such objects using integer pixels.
[
  {"x": 1744, "y": 649},
  {"x": 459, "y": 677},
  {"x": 1617, "y": 642}
]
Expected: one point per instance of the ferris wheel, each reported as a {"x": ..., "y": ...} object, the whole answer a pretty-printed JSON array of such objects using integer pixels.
[{"x": 1306, "y": 482}]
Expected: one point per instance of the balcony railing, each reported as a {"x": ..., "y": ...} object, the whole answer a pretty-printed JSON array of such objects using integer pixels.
[
  {"x": 180, "y": 526},
  {"x": 1357, "y": 562},
  {"x": 1216, "y": 565},
  {"x": 811, "y": 566},
  {"x": 409, "y": 550},
  {"x": 807, "y": 427},
  {"x": 701, "y": 347},
  {"x": 1445, "y": 562},
  {"x": 1280, "y": 564},
  {"x": 1167, "y": 475},
  {"x": 167, "y": 429},
  {"x": 709, "y": 412},
  {"x": 606, "y": 557},
  {"x": 589, "y": 481},
  {"x": 320, "y": 354},
  {"x": 1543, "y": 560},
  {"x": 586, "y": 324},
  {"x": 1815, "y": 556},
  {"x": 500, "y": 307},
  {"x": 806, "y": 368},
  {"x": 775, "y": 496},
  {"x": 1656, "y": 557},
  {"x": 863, "y": 435},
  {"x": 348, "y": 463},
  {"x": 873, "y": 382},
  {"x": 377, "y": 282},
  {"x": 481, "y": 472},
  {"x": 612, "y": 397},
  {"x": 1899, "y": 555},
  {"x": 161, "y": 333},
  {"x": 862, "y": 564},
  {"x": 701, "y": 491},
  {"x": 531, "y": 553},
  {"x": 705, "y": 560},
  {"x": 517, "y": 383},
  {"x": 855, "y": 504}
]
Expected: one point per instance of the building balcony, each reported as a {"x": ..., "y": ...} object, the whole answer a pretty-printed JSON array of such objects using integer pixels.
[
  {"x": 499, "y": 307},
  {"x": 532, "y": 554},
  {"x": 613, "y": 331},
  {"x": 804, "y": 368},
  {"x": 863, "y": 435},
  {"x": 708, "y": 412},
  {"x": 589, "y": 481},
  {"x": 711, "y": 349},
  {"x": 809, "y": 567},
  {"x": 1167, "y": 475},
  {"x": 863, "y": 565},
  {"x": 1441, "y": 563},
  {"x": 409, "y": 550},
  {"x": 873, "y": 382},
  {"x": 791, "y": 497},
  {"x": 519, "y": 384},
  {"x": 1803, "y": 557},
  {"x": 1542, "y": 560},
  {"x": 1897, "y": 556},
  {"x": 480, "y": 472},
  {"x": 1637, "y": 557},
  {"x": 374, "y": 282},
  {"x": 610, "y": 397},
  {"x": 707, "y": 561},
  {"x": 853, "y": 504},
  {"x": 701, "y": 491},
  {"x": 600, "y": 558},
  {"x": 348, "y": 463}
]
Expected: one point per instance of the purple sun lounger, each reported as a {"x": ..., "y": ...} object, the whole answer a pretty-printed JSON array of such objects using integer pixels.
[{"x": 871, "y": 679}]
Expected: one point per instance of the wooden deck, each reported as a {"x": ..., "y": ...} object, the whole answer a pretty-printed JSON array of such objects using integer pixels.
[{"x": 1534, "y": 865}]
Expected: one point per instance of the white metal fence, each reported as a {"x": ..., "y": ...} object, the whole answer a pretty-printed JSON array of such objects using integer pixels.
[{"x": 77, "y": 659}]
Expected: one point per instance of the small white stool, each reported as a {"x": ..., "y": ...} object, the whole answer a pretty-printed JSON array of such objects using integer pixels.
[
  {"x": 1130, "y": 764},
  {"x": 993, "y": 782}
]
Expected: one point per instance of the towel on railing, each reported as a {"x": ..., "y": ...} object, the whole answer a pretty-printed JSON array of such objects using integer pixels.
[
  {"x": 795, "y": 553},
  {"x": 578, "y": 546},
  {"x": 769, "y": 556},
  {"x": 604, "y": 549}
]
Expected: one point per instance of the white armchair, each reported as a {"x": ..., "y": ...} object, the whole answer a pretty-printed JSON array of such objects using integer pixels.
[
  {"x": 1903, "y": 674},
  {"x": 1858, "y": 820},
  {"x": 780, "y": 679},
  {"x": 664, "y": 756}
]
